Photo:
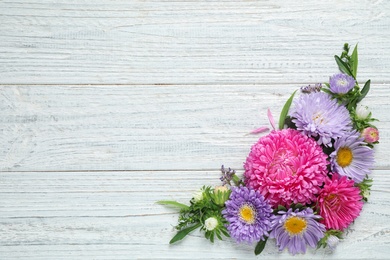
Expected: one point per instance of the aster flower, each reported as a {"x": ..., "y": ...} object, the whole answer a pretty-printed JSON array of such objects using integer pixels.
[
  {"x": 296, "y": 229},
  {"x": 339, "y": 203},
  {"x": 341, "y": 83},
  {"x": 370, "y": 135},
  {"x": 286, "y": 167},
  {"x": 211, "y": 223},
  {"x": 248, "y": 214},
  {"x": 317, "y": 115},
  {"x": 352, "y": 158}
]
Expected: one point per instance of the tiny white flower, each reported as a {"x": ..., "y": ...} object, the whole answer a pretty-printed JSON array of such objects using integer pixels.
[
  {"x": 198, "y": 195},
  {"x": 362, "y": 112},
  {"x": 332, "y": 241},
  {"x": 211, "y": 223}
]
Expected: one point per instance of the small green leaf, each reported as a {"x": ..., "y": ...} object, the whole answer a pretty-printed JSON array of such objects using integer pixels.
[
  {"x": 353, "y": 62},
  {"x": 343, "y": 66},
  {"x": 172, "y": 203},
  {"x": 365, "y": 90},
  {"x": 260, "y": 246},
  {"x": 182, "y": 233},
  {"x": 281, "y": 208},
  {"x": 285, "y": 110}
]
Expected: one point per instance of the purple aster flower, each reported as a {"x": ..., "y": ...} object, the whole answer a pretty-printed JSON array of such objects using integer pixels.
[
  {"x": 352, "y": 158},
  {"x": 296, "y": 229},
  {"x": 341, "y": 83},
  {"x": 319, "y": 116},
  {"x": 248, "y": 214}
]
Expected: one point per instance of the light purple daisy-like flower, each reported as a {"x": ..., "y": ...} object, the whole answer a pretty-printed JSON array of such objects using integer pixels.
[
  {"x": 248, "y": 214},
  {"x": 341, "y": 83},
  {"x": 296, "y": 229},
  {"x": 319, "y": 116},
  {"x": 352, "y": 158}
]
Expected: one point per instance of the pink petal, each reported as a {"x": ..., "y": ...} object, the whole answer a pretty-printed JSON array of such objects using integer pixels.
[
  {"x": 260, "y": 130},
  {"x": 271, "y": 119}
]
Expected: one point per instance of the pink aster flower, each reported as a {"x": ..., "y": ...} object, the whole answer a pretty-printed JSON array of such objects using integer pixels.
[
  {"x": 286, "y": 167},
  {"x": 339, "y": 203},
  {"x": 370, "y": 134}
]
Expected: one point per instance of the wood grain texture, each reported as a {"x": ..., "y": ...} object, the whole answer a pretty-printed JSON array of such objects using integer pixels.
[
  {"x": 188, "y": 42},
  {"x": 113, "y": 215},
  {"x": 108, "y": 106},
  {"x": 144, "y": 127}
]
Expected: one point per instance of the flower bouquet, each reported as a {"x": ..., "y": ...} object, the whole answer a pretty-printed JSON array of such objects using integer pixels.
[{"x": 305, "y": 182}]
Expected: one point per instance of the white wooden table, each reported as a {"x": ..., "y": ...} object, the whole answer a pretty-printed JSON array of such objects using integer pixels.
[{"x": 109, "y": 106}]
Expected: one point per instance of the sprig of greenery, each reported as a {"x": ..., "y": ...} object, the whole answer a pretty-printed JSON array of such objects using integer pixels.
[
  {"x": 209, "y": 204},
  {"x": 348, "y": 64},
  {"x": 365, "y": 188}
]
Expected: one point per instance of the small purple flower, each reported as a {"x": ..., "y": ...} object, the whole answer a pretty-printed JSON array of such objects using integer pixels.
[
  {"x": 319, "y": 116},
  {"x": 310, "y": 89},
  {"x": 352, "y": 158},
  {"x": 341, "y": 83},
  {"x": 227, "y": 175},
  {"x": 296, "y": 229},
  {"x": 248, "y": 214}
]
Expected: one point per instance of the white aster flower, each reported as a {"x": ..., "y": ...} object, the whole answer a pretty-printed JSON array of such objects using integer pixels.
[
  {"x": 198, "y": 195},
  {"x": 211, "y": 223}
]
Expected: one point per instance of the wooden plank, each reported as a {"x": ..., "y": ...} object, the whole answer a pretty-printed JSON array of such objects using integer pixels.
[
  {"x": 68, "y": 128},
  {"x": 188, "y": 42},
  {"x": 67, "y": 215}
]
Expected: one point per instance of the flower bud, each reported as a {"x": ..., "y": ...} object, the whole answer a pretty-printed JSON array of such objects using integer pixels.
[
  {"x": 198, "y": 195},
  {"x": 332, "y": 242},
  {"x": 362, "y": 112},
  {"x": 221, "y": 195},
  {"x": 370, "y": 134}
]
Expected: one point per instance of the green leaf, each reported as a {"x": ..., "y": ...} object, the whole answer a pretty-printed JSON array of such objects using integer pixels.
[
  {"x": 343, "y": 66},
  {"x": 365, "y": 90},
  {"x": 172, "y": 203},
  {"x": 260, "y": 246},
  {"x": 353, "y": 62},
  {"x": 182, "y": 233},
  {"x": 285, "y": 109},
  {"x": 281, "y": 208}
]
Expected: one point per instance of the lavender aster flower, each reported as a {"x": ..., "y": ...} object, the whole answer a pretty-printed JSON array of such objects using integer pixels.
[
  {"x": 248, "y": 215},
  {"x": 352, "y": 158},
  {"x": 341, "y": 83},
  {"x": 318, "y": 116},
  {"x": 296, "y": 229}
]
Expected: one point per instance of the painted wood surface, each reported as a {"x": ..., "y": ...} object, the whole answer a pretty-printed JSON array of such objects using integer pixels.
[{"x": 109, "y": 106}]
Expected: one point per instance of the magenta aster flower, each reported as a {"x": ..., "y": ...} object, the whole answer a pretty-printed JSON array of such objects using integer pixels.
[
  {"x": 339, "y": 203},
  {"x": 296, "y": 229},
  {"x": 319, "y": 116},
  {"x": 352, "y": 158},
  {"x": 248, "y": 214},
  {"x": 341, "y": 83},
  {"x": 286, "y": 167}
]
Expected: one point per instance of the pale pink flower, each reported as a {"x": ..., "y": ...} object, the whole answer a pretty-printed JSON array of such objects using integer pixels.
[
  {"x": 286, "y": 167},
  {"x": 370, "y": 134}
]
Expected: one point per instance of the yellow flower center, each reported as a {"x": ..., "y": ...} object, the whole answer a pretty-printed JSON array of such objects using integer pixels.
[
  {"x": 295, "y": 225},
  {"x": 344, "y": 156},
  {"x": 247, "y": 214}
]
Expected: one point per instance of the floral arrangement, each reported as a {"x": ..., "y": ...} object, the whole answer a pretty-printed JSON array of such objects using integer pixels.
[{"x": 304, "y": 183}]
